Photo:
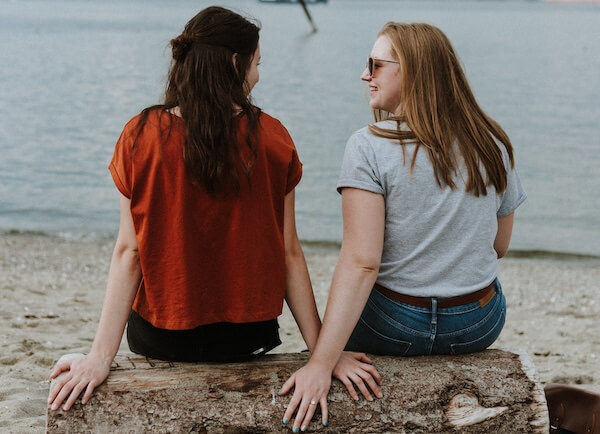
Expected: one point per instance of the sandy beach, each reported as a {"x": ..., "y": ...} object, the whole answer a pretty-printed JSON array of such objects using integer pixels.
[{"x": 52, "y": 292}]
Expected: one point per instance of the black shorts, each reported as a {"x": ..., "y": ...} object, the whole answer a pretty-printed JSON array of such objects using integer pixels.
[{"x": 220, "y": 342}]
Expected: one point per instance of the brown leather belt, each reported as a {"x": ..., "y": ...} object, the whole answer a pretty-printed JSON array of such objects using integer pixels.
[{"x": 483, "y": 296}]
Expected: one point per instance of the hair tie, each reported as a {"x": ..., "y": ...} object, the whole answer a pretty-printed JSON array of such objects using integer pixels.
[{"x": 181, "y": 45}]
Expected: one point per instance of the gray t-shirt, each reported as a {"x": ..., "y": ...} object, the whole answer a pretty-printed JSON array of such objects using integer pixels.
[{"x": 438, "y": 242}]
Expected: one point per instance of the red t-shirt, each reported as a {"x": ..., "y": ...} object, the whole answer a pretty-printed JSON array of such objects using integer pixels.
[{"x": 206, "y": 259}]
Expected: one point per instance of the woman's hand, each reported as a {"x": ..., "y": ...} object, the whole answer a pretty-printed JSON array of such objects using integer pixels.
[
  {"x": 312, "y": 383},
  {"x": 72, "y": 375},
  {"x": 357, "y": 369}
]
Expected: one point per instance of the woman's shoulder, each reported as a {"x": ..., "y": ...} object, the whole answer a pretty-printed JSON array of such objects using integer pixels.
[
  {"x": 274, "y": 129},
  {"x": 504, "y": 151},
  {"x": 361, "y": 132},
  {"x": 270, "y": 122},
  {"x": 132, "y": 123},
  {"x": 367, "y": 137},
  {"x": 153, "y": 121},
  {"x": 150, "y": 115},
  {"x": 144, "y": 130},
  {"x": 387, "y": 125}
]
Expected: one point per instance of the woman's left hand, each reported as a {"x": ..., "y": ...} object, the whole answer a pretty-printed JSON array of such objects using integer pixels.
[
  {"x": 312, "y": 383},
  {"x": 357, "y": 369}
]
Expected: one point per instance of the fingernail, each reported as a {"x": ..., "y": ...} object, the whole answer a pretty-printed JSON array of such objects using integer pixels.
[
  {"x": 325, "y": 423},
  {"x": 279, "y": 391},
  {"x": 303, "y": 428},
  {"x": 285, "y": 421},
  {"x": 296, "y": 429}
]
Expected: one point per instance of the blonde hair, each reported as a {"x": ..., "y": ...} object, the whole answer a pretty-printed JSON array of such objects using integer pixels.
[{"x": 441, "y": 112}]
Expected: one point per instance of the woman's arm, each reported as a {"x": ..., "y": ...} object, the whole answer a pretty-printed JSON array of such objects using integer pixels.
[
  {"x": 87, "y": 372},
  {"x": 502, "y": 241},
  {"x": 353, "y": 280},
  {"x": 299, "y": 294}
]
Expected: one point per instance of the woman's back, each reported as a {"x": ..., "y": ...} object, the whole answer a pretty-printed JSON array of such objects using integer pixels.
[
  {"x": 438, "y": 241},
  {"x": 204, "y": 255}
]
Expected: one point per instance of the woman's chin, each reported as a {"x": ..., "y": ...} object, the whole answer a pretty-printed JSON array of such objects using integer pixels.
[{"x": 373, "y": 104}]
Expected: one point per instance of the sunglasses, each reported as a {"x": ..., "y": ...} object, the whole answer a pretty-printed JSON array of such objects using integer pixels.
[{"x": 371, "y": 64}]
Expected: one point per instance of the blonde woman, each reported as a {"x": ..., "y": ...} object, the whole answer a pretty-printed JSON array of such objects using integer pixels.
[{"x": 428, "y": 196}]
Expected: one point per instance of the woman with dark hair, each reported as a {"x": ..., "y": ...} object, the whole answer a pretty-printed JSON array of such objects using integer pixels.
[
  {"x": 428, "y": 196},
  {"x": 207, "y": 248}
]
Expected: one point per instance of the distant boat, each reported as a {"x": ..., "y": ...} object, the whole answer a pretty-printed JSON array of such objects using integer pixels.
[{"x": 293, "y": 1}]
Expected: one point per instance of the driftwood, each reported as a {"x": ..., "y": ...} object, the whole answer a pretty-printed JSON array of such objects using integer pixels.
[{"x": 489, "y": 392}]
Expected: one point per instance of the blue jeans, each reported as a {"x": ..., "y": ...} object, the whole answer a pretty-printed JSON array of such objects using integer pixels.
[{"x": 398, "y": 329}]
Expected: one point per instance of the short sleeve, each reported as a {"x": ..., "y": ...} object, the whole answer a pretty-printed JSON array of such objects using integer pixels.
[
  {"x": 359, "y": 166},
  {"x": 294, "y": 172},
  {"x": 120, "y": 166},
  {"x": 513, "y": 196},
  {"x": 295, "y": 165}
]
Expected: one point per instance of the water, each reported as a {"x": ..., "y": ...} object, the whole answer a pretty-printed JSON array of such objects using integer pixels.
[{"x": 73, "y": 72}]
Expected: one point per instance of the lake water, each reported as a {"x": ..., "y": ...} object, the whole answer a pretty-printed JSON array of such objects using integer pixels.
[{"x": 73, "y": 72}]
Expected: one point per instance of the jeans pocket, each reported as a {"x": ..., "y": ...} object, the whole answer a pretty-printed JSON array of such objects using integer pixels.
[
  {"x": 366, "y": 339},
  {"x": 486, "y": 336}
]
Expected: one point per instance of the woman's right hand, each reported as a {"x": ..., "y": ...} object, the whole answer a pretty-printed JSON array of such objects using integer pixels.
[
  {"x": 311, "y": 385},
  {"x": 74, "y": 374}
]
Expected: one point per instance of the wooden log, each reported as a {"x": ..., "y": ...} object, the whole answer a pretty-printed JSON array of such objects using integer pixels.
[{"x": 489, "y": 392}]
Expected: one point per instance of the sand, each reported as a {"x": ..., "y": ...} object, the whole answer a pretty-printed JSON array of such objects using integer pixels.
[{"x": 52, "y": 292}]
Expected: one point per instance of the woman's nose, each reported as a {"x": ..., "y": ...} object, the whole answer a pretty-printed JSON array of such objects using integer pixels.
[{"x": 365, "y": 76}]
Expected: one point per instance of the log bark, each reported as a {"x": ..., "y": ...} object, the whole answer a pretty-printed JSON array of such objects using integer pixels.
[{"x": 489, "y": 392}]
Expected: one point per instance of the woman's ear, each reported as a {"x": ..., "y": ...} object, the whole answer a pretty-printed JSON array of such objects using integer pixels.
[{"x": 234, "y": 60}]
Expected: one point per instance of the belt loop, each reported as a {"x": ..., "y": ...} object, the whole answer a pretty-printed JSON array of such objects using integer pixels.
[{"x": 434, "y": 302}]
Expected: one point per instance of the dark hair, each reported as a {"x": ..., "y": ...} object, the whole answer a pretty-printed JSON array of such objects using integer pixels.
[{"x": 209, "y": 88}]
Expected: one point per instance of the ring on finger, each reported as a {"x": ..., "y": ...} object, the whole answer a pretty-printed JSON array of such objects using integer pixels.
[{"x": 313, "y": 402}]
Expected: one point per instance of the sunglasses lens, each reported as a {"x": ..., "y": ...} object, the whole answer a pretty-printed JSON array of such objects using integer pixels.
[{"x": 370, "y": 65}]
